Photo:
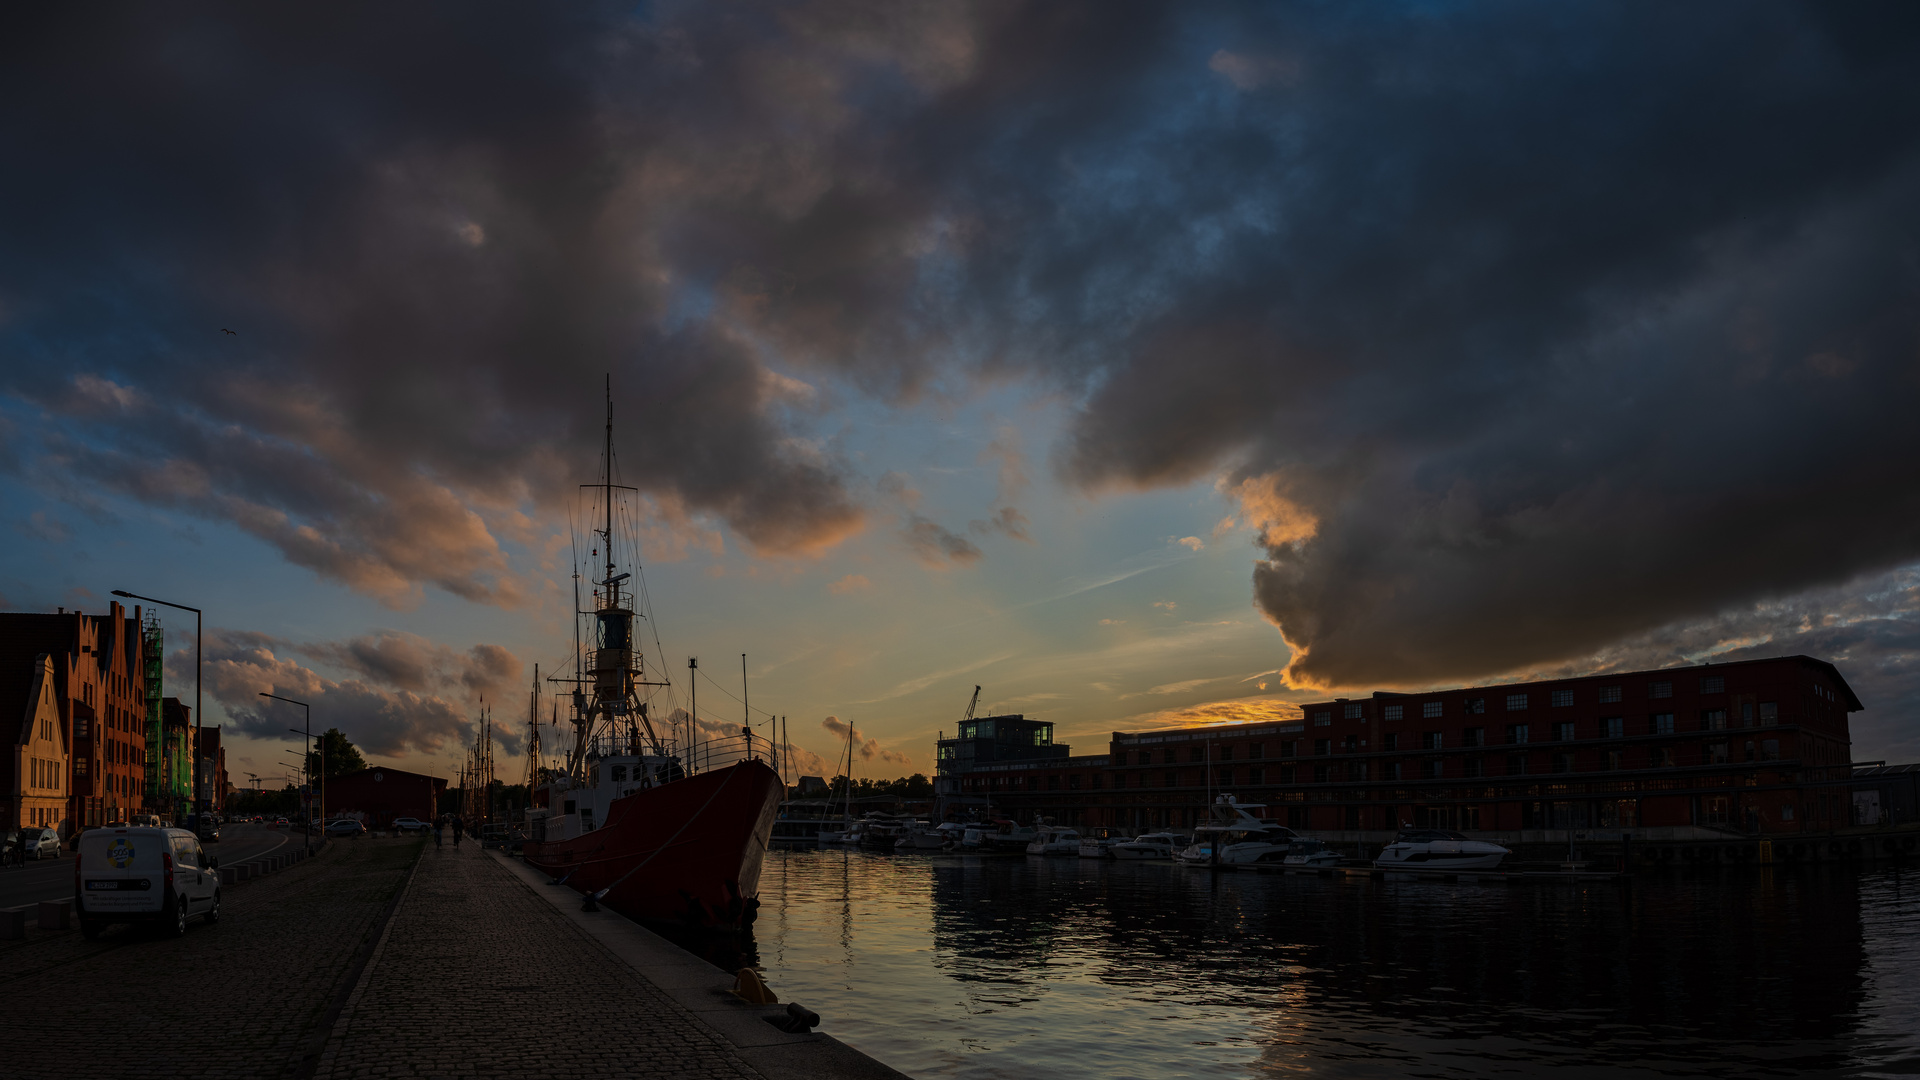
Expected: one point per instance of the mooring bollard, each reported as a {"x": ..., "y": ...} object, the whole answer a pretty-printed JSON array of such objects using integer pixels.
[
  {"x": 13, "y": 923},
  {"x": 54, "y": 914},
  {"x": 229, "y": 875},
  {"x": 243, "y": 871}
]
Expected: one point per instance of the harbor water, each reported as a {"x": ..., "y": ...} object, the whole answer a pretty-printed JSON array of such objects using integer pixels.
[{"x": 995, "y": 966}]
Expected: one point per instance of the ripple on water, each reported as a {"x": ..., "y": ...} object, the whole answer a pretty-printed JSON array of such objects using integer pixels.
[{"x": 983, "y": 967}]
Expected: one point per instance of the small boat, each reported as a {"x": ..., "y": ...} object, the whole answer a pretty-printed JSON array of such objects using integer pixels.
[
  {"x": 1055, "y": 840},
  {"x": 1438, "y": 849},
  {"x": 1096, "y": 847},
  {"x": 974, "y": 838},
  {"x": 1010, "y": 836},
  {"x": 1159, "y": 845},
  {"x": 921, "y": 837},
  {"x": 1311, "y": 853},
  {"x": 1242, "y": 838}
]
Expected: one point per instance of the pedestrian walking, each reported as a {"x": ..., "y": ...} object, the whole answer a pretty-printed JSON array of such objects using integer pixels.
[
  {"x": 439, "y": 828},
  {"x": 459, "y": 827}
]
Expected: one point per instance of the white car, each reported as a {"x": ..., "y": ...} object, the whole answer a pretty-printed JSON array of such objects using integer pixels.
[
  {"x": 141, "y": 874},
  {"x": 407, "y": 824}
]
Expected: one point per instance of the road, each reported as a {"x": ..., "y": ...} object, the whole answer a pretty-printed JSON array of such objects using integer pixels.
[{"x": 51, "y": 879}]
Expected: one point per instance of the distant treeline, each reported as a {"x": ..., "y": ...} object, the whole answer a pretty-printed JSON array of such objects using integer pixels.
[{"x": 916, "y": 786}]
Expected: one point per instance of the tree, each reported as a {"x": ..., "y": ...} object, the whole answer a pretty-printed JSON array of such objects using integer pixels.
[{"x": 341, "y": 756}]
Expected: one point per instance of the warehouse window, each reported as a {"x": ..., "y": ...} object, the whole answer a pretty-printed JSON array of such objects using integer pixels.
[
  {"x": 1226, "y": 753},
  {"x": 1562, "y": 698},
  {"x": 1717, "y": 753},
  {"x": 1173, "y": 779},
  {"x": 1390, "y": 741},
  {"x": 1613, "y": 727},
  {"x": 1516, "y": 702},
  {"x": 1473, "y": 736},
  {"x": 1770, "y": 749},
  {"x": 1660, "y": 690},
  {"x": 1769, "y": 713},
  {"x": 1614, "y": 757},
  {"x": 1322, "y": 718},
  {"x": 1609, "y": 695},
  {"x": 1430, "y": 709},
  {"x": 1516, "y": 733},
  {"x": 1474, "y": 705},
  {"x": 1353, "y": 710},
  {"x": 1356, "y": 770},
  {"x": 1256, "y": 776},
  {"x": 1392, "y": 712},
  {"x": 1713, "y": 684},
  {"x": 1470, "y": 767},
  {"x": 1563, "y": 732},
  {"x": 1393, "y": 770},
  {"x": 1661, "y": 724},
  {"x": 1430, "y": 740},
  {"x": 1322, "y": 746},
  {"x": 1516, "y": 764},
  {"x": 1713, "y": 720},
  {"x": 1563, "y": 763},
  {"x": 1256, "y": 751}
]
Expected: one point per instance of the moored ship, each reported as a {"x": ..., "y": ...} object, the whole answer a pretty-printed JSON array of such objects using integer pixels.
[{"x": 658, "y": 825}]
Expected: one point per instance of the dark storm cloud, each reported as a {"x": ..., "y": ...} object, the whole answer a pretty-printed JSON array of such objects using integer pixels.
[{"x": 1518, "y": 329}]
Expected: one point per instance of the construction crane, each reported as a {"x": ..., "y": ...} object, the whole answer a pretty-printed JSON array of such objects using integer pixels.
[{"x": 972, "y": 705}]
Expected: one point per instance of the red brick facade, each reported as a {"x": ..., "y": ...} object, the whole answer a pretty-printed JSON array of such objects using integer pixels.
[{"x": 1740, "y": 746}]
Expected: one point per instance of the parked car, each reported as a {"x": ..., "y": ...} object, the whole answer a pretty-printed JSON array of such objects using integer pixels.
[
  {"x": 407, "y": 824},
  {"x": 345, "y": 827},
  {"x": 205, "y": 826},
  {"x": 139, "y": 874},
  {"x": 39, "y": 842}
]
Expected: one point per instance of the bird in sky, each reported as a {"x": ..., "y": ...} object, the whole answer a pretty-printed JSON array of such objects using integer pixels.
[{"x": 224, "y": 330}]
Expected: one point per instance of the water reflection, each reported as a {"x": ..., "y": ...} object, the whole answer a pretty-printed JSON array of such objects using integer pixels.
[{"x": 988, "y": 967}]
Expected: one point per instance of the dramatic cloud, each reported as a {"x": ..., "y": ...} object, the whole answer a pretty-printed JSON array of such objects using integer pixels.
[
  {"x": 1515, "y": 330},
  {"x": 864, "y": 748},
  {"x": 399, "y": 694}
]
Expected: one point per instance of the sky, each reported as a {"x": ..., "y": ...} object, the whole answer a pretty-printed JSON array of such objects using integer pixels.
[{"x": 1142, "y": 364}]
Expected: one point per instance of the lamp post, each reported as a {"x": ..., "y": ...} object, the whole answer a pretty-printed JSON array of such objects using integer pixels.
[
  {"x": 307, "y": 759},
  {"x": 199, "y": 801}
]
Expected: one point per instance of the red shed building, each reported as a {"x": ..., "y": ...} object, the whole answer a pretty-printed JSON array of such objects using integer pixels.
[{"x": 377, "y": 795}]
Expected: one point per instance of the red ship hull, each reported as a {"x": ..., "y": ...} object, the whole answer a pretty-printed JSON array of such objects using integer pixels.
[{"x": 688, "y": 852}]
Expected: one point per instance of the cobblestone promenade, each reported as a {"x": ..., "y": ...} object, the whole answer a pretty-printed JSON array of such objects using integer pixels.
[
  {"x": 245, "y": 998},
  {"x": 479, "y": 977}
]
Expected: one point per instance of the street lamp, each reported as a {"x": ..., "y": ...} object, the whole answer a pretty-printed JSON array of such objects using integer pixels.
[
  {"x": 307, "y": 759},
  {"x": 199, "y": 800}
]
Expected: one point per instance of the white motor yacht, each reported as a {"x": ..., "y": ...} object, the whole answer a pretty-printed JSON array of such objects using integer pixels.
[
  {"x": 1438, "y": 849},
  {"x": 1159, "y": 845},
  {"x": 1241, "y": 837},
  {"x": 1096, "y": 845},
  {"x": 1055, "y": 840}
]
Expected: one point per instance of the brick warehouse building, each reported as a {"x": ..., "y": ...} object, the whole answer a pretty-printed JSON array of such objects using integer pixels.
[
  {"x": 99, "y": 694},
  {"x": 1749, "y": 746},
  {"x": 377, "y": 795}
]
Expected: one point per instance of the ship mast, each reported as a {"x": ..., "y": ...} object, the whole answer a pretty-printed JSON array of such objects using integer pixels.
[{"x": 614, "y": 666}]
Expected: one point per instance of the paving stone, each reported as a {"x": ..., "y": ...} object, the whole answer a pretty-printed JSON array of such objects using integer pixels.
[
  {"x": 478, "y": 977},
  {"x": 247, "y": 997}
]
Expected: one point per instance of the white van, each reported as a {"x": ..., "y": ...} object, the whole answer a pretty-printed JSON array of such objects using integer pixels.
[{"x": 143, "y": 875}]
